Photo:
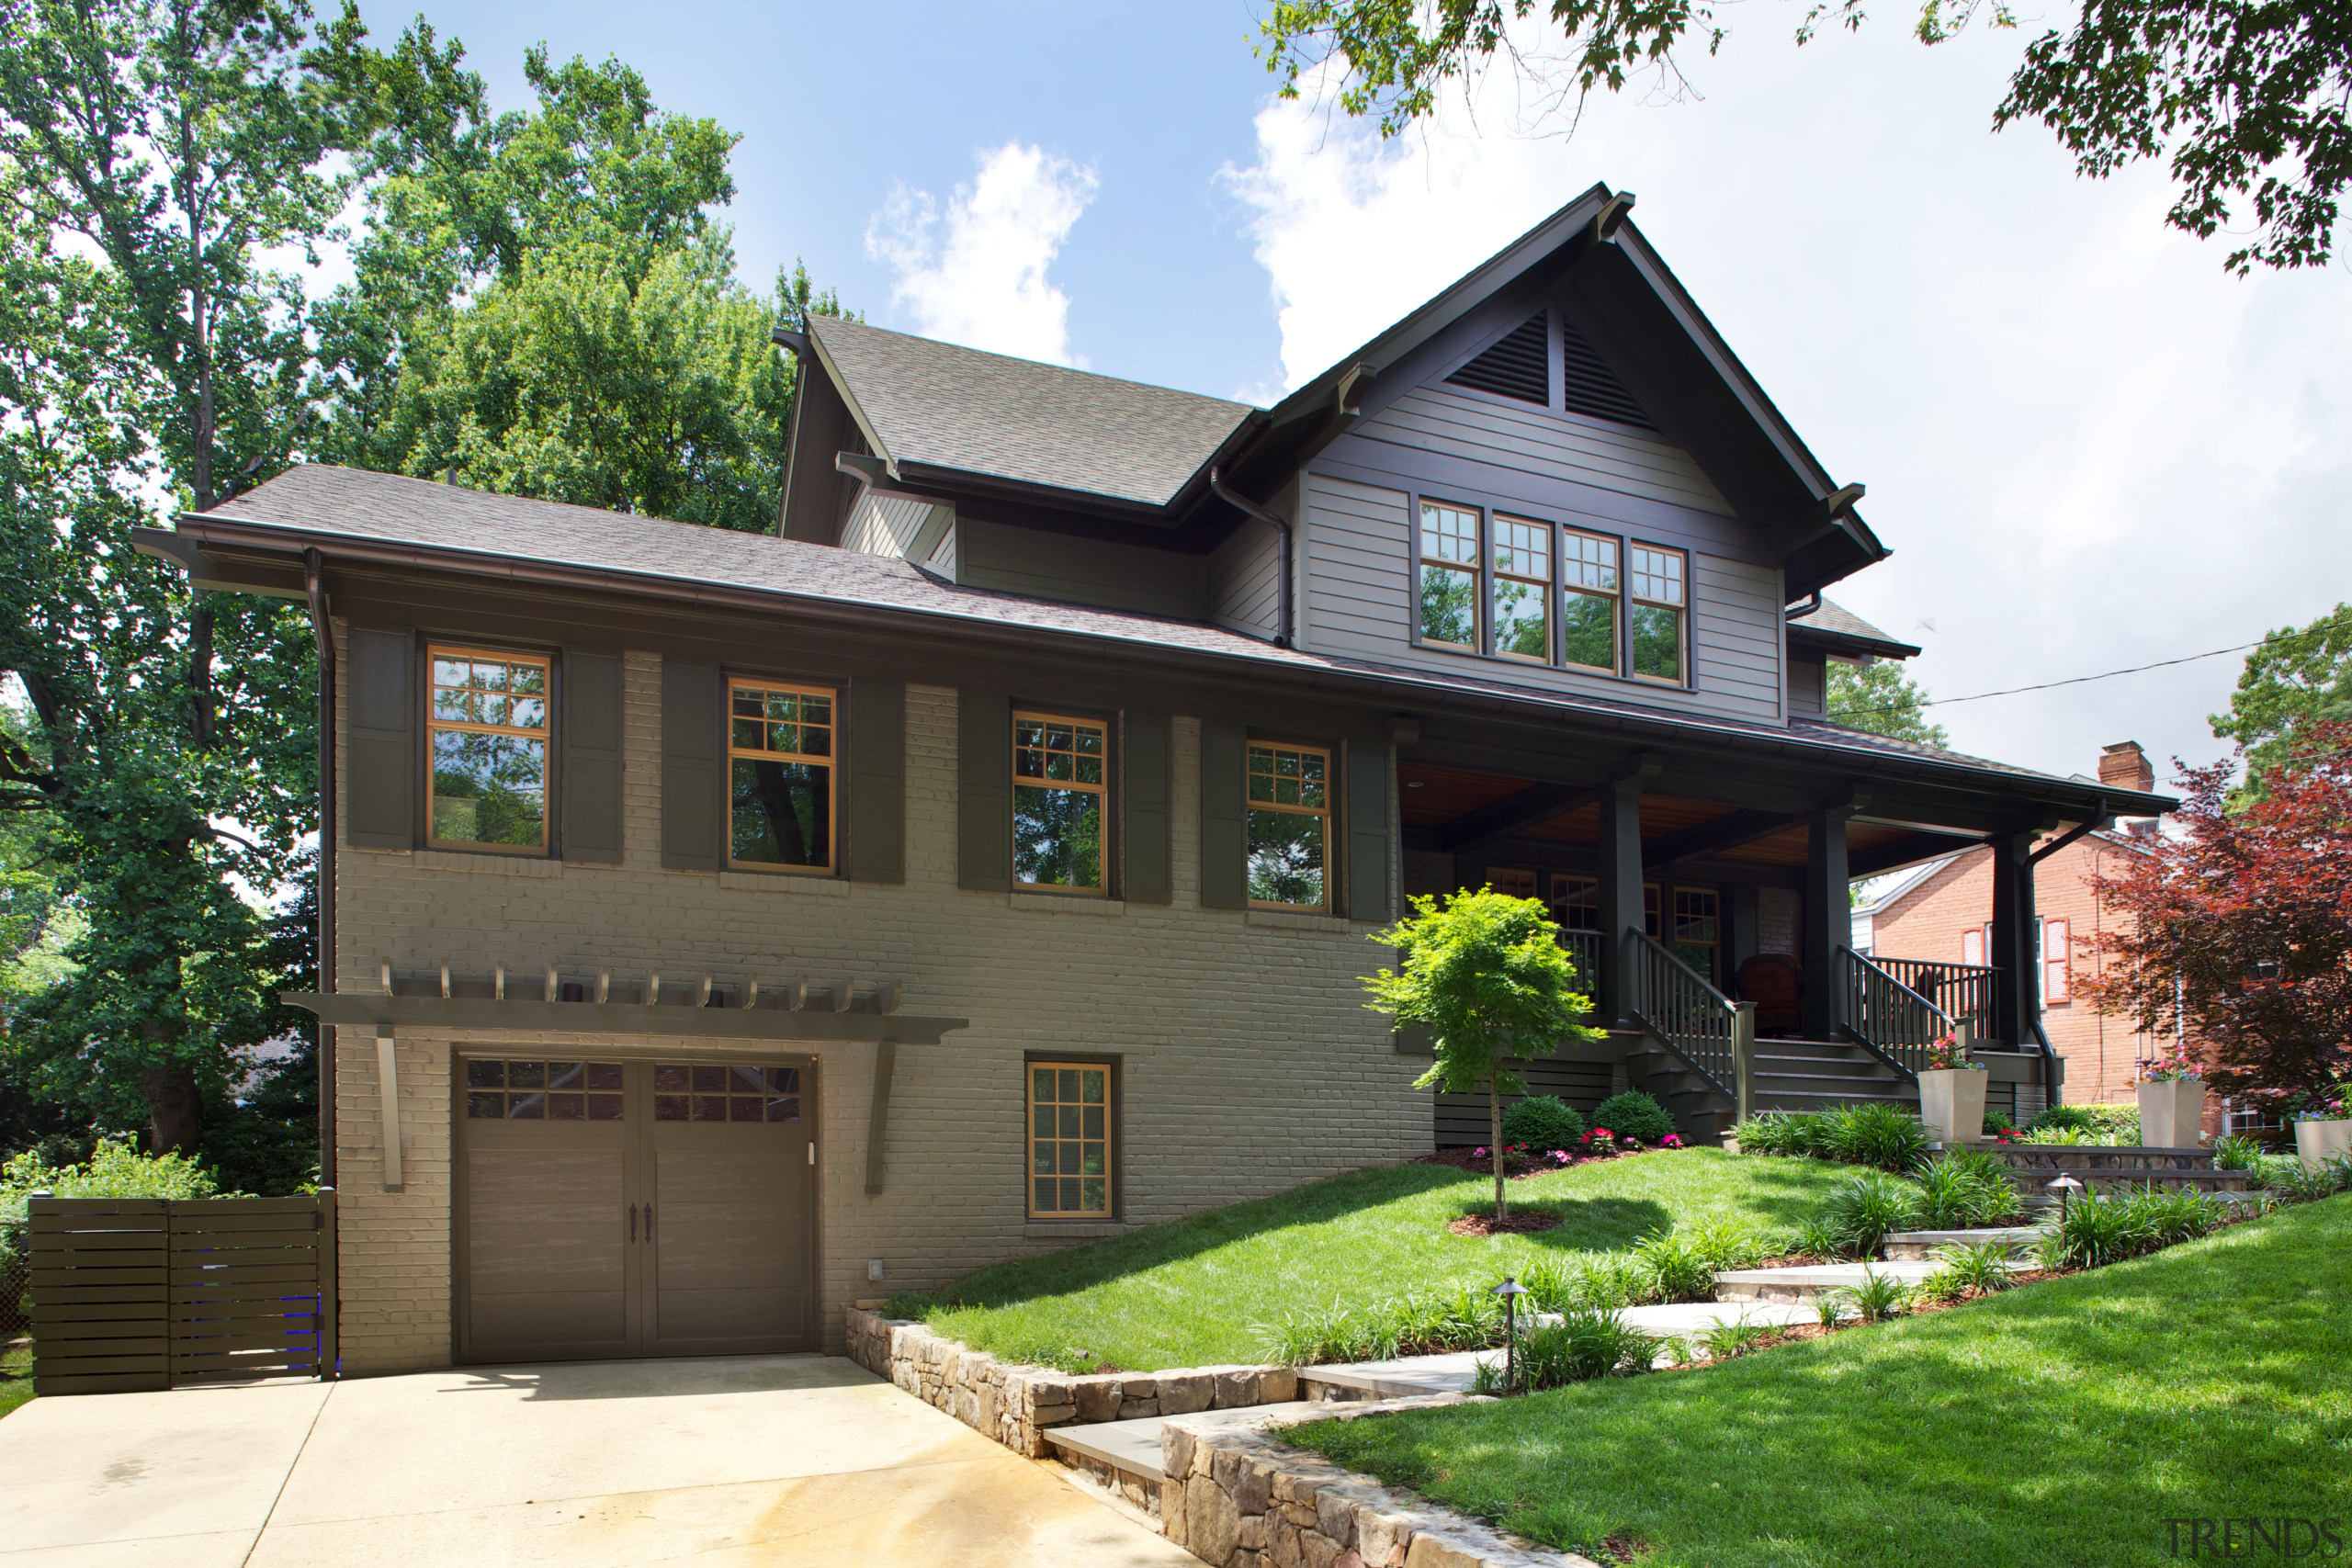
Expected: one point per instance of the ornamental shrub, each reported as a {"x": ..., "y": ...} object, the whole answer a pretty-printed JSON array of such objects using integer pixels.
[
  {"x": 1635, "y": 1115},
  {"x": 1868, "y": 1208},
  {"x": 1544, "y": 1123},
  {"x": 2120, "y": 1123}
]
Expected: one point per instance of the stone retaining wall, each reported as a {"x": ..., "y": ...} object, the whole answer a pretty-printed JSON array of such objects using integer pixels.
[
  {"x": 1015, "y": 1405},
  {"x": 1237, "y": 1496}
]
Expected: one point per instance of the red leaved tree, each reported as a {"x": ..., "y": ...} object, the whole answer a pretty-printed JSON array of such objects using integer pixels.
[{"x": 2242, "y": 927}]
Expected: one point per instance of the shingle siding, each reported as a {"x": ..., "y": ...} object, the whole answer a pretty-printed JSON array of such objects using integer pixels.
[{"x": 1249, "y": 1064}]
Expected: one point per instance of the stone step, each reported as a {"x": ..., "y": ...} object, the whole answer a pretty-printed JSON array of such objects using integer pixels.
[
  {"x": 2036, "y": 1183},
  {"x": 1812, "y": 1282},
  {"x": 1132, "y": 1448},
  {"x": 1921, "y": 1247}
]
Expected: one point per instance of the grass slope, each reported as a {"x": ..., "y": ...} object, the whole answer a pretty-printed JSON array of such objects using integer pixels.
[
  {"x": 2061, "y": 1424},
  {"x": 1189, "y": 1293},
  {"x": 16, "y": 1379}
]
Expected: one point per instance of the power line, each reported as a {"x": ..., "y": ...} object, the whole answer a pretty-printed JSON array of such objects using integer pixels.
[{"x": 2073, "y": 679}]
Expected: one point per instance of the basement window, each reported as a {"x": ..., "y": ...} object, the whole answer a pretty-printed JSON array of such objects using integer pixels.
[{"x": 1069, "y": 1140}]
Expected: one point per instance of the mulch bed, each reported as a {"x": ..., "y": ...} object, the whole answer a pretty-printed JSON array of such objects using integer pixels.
[{"x": 1525, "y": 1222}]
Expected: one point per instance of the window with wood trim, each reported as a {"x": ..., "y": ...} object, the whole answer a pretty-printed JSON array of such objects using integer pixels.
[
  {"x": 543, "y": 1092},
  {"x": 1975, "y": 943},
  {"x": 1575, "y": 902},
  {"x": 781, "y": 775},
  {"x": 1057, "y": 803},
  {"x": 1290, "y": 826},
  {"x": 1659, "y": 614},
  {"x": 1069, "y": 1140},
  {"x": 1513, "y": 880},
  {"x": 1519, "y": 603},
  {"x": 2057, "y": 961},
  {"x": 1588, "y": 593},
  {"x": 1652, "y": 896},
  {"x": 1699, "y": 929},
  {"x": 1449, "y": 576},
  {"x": 487, "y": 726}
]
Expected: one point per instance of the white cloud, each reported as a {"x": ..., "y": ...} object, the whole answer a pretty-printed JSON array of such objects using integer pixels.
[
  {"x": 975, "y": 273},
  {"x": 2090, "y": 447}
]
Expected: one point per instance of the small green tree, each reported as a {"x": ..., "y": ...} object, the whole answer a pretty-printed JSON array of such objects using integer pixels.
[{"x": 1485, "y": 974}]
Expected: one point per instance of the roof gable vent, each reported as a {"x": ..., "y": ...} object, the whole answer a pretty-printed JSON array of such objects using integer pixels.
[
  {"x": 1590, "y": 388},
  {"x": 1512, "y": 368}
]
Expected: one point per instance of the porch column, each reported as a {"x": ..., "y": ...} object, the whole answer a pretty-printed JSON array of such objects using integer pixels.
[
  {"x": 1620, "y": 850},
  {"x": 1828, "y": 917},
  {"x": 2016, "y": 989}
]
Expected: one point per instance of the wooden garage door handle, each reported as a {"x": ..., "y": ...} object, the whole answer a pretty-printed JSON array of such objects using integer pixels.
[
  {"x": 632, "y": 1221},
  {"x": 649, "y": 1222}
]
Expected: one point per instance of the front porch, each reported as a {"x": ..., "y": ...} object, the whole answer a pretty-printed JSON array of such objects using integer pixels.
[{"x": 1710, "y": 914}]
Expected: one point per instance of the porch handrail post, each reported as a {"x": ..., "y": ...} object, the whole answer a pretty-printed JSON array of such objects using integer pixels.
[{"x": 1743, "y": 1059}]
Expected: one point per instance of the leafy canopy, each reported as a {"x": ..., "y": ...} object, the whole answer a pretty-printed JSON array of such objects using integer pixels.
[
  {"x": 2297, "y": 676},
  {"x": 1883, "y": 700},
  {"x": 2241, "y": 926},
  {"x": 1485, "y": 974},
  {"x": 2247, "y": 102}
]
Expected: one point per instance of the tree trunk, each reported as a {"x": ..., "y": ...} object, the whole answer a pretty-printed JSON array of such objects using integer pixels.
[
  {"x": 175, "y": 1110},
  {"x": 1494, "y": 1143}
]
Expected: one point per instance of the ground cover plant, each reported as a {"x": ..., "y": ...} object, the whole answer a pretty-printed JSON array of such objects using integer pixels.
[
  {"x": 2059, "y": 1424},
  {"x": 1199, "y": 1290}
]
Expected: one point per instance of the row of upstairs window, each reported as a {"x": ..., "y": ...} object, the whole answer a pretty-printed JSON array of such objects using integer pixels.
[
  {"x": 1518, "y": 588},
  {"x": 488, "y": 782}
]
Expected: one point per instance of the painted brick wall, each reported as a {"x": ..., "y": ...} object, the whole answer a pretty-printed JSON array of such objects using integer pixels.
[
  {"x": 2101, "y": 1052},
  {"x": 1249, "y": 1064}
]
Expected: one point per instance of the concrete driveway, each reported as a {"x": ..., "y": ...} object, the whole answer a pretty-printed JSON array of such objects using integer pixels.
[{"x": 768, "y": 1460}]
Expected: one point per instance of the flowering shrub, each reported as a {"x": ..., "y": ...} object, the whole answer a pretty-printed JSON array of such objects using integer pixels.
[
  {"x": 1948, "y": 1052},
  {"x": 2172, "y": 1064},
  {"x": 2331, "y": 1104},
  {"x": 1601, "y": 1142}
]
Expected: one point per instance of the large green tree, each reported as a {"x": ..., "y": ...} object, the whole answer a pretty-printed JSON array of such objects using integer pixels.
[
  {"x": 1880, "y": 698},
  {"x": 2298, "y": 677},
  {"x": 2246, "y": 102}
]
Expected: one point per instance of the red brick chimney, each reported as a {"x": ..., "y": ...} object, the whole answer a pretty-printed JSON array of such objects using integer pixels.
[{"x": 2127, "y": 767}]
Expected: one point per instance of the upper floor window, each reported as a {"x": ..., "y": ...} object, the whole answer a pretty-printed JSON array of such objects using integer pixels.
[
  {"x": 1589, "y": 601},
  {"x": 486, "y": 781},
  {"x": 1290, "y": 819},
  {"x": 1449, "y": 591},
  {"x": 780, "y": 775},
  {"x": 1656, "y": 614},
  {"x": 1523, "y": 588},
  {"x": 1058, "y": 786}
]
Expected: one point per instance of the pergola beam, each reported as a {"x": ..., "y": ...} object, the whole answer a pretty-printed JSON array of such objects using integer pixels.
[{"x": 462, "y": 1014}]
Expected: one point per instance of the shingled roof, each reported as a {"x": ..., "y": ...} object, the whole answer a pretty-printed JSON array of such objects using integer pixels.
[
  {"x": 947, "y": 406},
  {"x": 451, "y": 528},
  {"x": 1840, "y": 631}
]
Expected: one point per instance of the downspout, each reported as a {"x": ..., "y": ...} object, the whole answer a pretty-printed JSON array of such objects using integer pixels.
[
  {"x": 1250, "y": 507},
  {"x": 313, "y": 575}
]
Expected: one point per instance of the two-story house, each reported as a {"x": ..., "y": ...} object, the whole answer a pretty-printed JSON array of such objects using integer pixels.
[{"x": 727, "y": 927}]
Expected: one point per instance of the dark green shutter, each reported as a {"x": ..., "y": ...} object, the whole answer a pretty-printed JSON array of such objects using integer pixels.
[
  {"x": 984, "y": 792},
  {"x": 1367, "y": 830},
  {"x": 692, "y": 756},
  {"x": 379, "y": 719},
  {"x": 1146, "y": 779},
  {"x": 591, "y": 739},
  {"x": 877, "y": 781},
  {"x": 1225, "y": 836}
]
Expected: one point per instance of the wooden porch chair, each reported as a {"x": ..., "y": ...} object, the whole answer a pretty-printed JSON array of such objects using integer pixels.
[{"x": 1775, "y": 983}]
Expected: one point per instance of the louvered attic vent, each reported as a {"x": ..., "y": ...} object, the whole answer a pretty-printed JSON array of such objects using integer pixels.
[
  {"x": 1512, "y": 368},
  {"x": 1591, "y": 388}
]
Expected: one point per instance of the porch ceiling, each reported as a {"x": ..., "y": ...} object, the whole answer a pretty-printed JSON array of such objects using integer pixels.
[{"x": 1435, "y": 798}]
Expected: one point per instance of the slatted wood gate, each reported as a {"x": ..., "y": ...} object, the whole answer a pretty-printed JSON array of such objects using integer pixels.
[{"x": 132, "y": 1293}]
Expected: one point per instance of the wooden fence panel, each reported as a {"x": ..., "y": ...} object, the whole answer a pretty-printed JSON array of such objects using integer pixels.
[
  {"x": 88, "y": 1253},
  {"x": 134, "y": 1294}
]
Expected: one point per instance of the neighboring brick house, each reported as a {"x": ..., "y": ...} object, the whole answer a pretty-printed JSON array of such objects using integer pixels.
[
  {"x": 724, "y": 928},
  {"x": 1942, "y": 912}
]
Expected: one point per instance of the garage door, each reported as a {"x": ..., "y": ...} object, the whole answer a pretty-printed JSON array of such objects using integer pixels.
[{"x": 612, "y": 1208}]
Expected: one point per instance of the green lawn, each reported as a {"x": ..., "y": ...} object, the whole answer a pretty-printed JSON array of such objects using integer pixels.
[
  {"x": 2061, "y": 1424},
  {"x": 1189, "y": 1293},
  {"x": 15, "y": 1378}
]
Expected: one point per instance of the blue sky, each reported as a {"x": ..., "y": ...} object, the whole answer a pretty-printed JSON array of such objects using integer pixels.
[{"x": 2089, "y": 446}]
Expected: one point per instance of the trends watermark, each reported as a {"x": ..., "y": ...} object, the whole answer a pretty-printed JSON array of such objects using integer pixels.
[{"x": 2249, "y": 1538}]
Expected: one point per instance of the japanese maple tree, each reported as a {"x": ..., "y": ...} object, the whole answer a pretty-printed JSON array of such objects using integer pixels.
[{"x": 2241, "y": 926}]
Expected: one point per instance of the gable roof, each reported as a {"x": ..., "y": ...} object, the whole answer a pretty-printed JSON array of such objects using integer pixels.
[
  {"x": 357, "y": 514},
  {"x": 961, "y": 411},
  {"x": 1833, "y": 628}
]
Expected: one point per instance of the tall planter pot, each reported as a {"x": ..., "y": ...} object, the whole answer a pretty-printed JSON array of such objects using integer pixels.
[
  {"x": 1952, "y": 1102},
  {"x": 2319, "y": 1142},
  {"x": 2172, "y": 1113}
]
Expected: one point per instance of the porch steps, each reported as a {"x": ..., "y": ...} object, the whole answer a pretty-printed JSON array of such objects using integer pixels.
[{"x": 1790, "y": 1075}]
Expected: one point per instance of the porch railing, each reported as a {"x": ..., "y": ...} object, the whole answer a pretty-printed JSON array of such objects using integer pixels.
[
  {"x": 1888, "y": 1017},
  {"x": 1714, "y": 1034},
  {"x": 1584, "y": 952},
  {"x": 1963, "y": 991}
]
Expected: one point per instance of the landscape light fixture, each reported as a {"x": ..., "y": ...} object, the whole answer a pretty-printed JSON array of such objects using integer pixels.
[
  {"x": 2065, "y": 1187},
  {"x": 1510, "y": 1289}
]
